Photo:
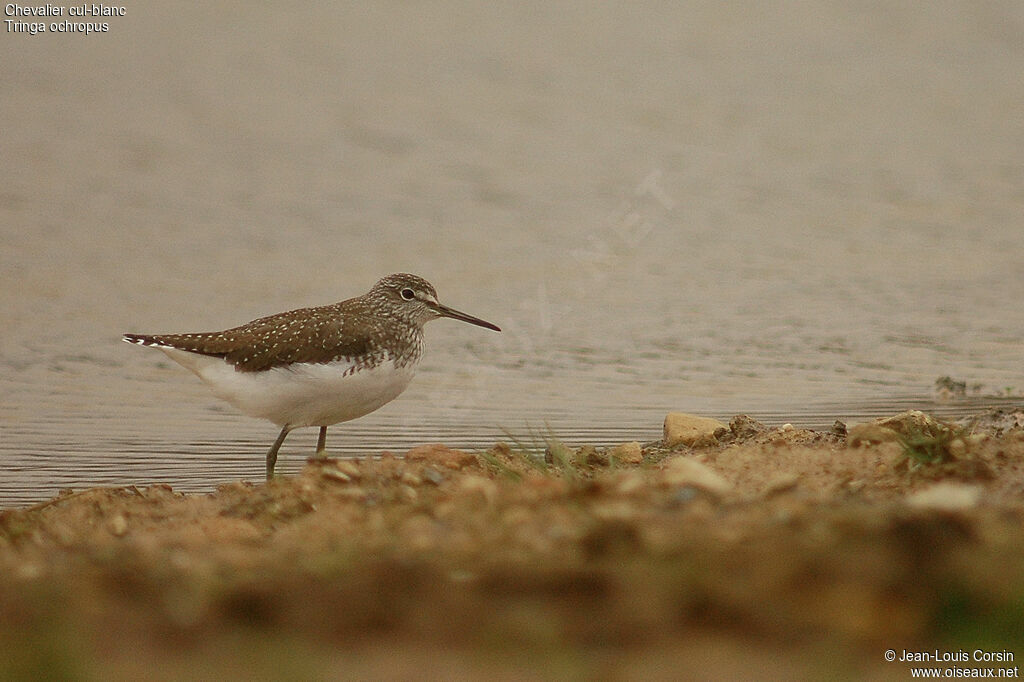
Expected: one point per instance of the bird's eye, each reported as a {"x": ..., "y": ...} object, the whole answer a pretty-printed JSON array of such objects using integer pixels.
[{"x": 408, "y": 294}]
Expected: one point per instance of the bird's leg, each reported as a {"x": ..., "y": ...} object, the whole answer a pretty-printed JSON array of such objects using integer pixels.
[
  {"x": 272, "y": 454},
  {"x": 321, "y": 443}
]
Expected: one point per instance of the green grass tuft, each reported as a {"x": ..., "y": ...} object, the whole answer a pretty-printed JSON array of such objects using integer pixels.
[{"x": 931, "y": 444}]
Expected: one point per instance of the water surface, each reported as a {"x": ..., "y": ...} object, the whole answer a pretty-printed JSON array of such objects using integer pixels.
[{"x": 799, "y": 214}]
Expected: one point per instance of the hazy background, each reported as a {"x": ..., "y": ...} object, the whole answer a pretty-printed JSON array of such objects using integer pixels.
[{"x": 799, "y": 212}]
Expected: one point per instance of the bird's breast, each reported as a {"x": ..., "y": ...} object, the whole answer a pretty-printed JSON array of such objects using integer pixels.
[{"x": 303, "y": 394}]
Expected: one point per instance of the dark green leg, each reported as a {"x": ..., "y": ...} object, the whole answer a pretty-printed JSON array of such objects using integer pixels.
[
  {"x": 321, "y": 443},
  {"x": 272, "y": 455}
]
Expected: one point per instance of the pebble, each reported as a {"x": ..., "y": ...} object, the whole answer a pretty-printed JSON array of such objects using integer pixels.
[
  {"x": 590, "y": 456},
  {"x": 335, "y": 475},
  {"x": 781, "y": 483},
  {"x": 867, "y": 433},
  {"x": 432, "y": 475},
  {"x": 743, "y": 426},
  {"x": 691, "y": 430},
  {"x": 348, "y": 468},
  {"x": 686, "y": 471},
  {"x": 409, "y": 478},
  {"x": 627, "y": 453},
  {"x": 118, "y": 525},
  {"x": 946, "y": 497},
  {"x": 487, "y": 488},
  {"x": 352, "y": 493}
]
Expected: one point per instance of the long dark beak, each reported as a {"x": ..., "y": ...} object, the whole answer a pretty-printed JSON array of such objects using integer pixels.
[{"x": 445, "y": 311}]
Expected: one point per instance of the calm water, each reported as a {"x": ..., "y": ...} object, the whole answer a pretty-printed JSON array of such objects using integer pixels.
[{"x": 798, "y": 214}]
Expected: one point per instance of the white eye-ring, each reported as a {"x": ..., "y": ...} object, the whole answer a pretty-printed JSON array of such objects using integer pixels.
[{"x": 408, "y": 294}]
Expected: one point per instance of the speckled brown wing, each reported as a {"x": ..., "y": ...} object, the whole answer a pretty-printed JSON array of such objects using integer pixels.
[{"x": 311, "y": 335}]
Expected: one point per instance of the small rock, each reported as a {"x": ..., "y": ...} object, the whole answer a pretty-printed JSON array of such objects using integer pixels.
[
  {"x": 691, "y": 430},
  {"x": 997, "y": 421},
  {"x": 781, "y": 483},
  {"x": 558, "y": 453},
  {"x": 352, "y": 493},
  {"x": 432, "y": 475},
  {"x": 440, "y": 455},
  {"x": 409, "y": 478},
  {"x": 348, "y": 467},
  {"x": 590, "y": 456},
  {"x": 157, "y": 490},
  {"x": 480, "y": 485},
  {"x": 889, "y": 429},
  {"x": 335, "y": 475},
  {"x": 118, "y": 525},
  {"x": 627, "y": 453},
  {"x": 407, "y": 492},
  {"x": 869, "y": 433},
  {"x": 685, "y": 471},
  {"x": 912, "y": 421},
  {"x": 839, "y": 429},
  {"x": 946, "y": 497},
  {"x": 743, "y": 426}
]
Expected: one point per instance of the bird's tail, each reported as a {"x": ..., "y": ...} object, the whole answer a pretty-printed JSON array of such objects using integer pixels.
[{"x": 142, "y": 340}]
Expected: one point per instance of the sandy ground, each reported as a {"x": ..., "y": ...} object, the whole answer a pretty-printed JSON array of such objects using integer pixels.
[{"x": 770, "y": 553}]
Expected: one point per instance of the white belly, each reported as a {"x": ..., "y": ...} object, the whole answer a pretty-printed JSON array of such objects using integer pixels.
[{"x": 302, "y": 394}]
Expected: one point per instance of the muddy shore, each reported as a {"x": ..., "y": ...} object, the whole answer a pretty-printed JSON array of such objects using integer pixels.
[{"x": 775, "y": 553}]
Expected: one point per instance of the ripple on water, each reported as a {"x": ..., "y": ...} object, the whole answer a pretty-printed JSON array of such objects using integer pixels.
[{"x": 42, "y": 458}]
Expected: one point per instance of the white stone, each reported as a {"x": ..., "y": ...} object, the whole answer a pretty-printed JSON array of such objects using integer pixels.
[
  {"x": 946, "y": 497},
  {"x": 686, "y": 471}
]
